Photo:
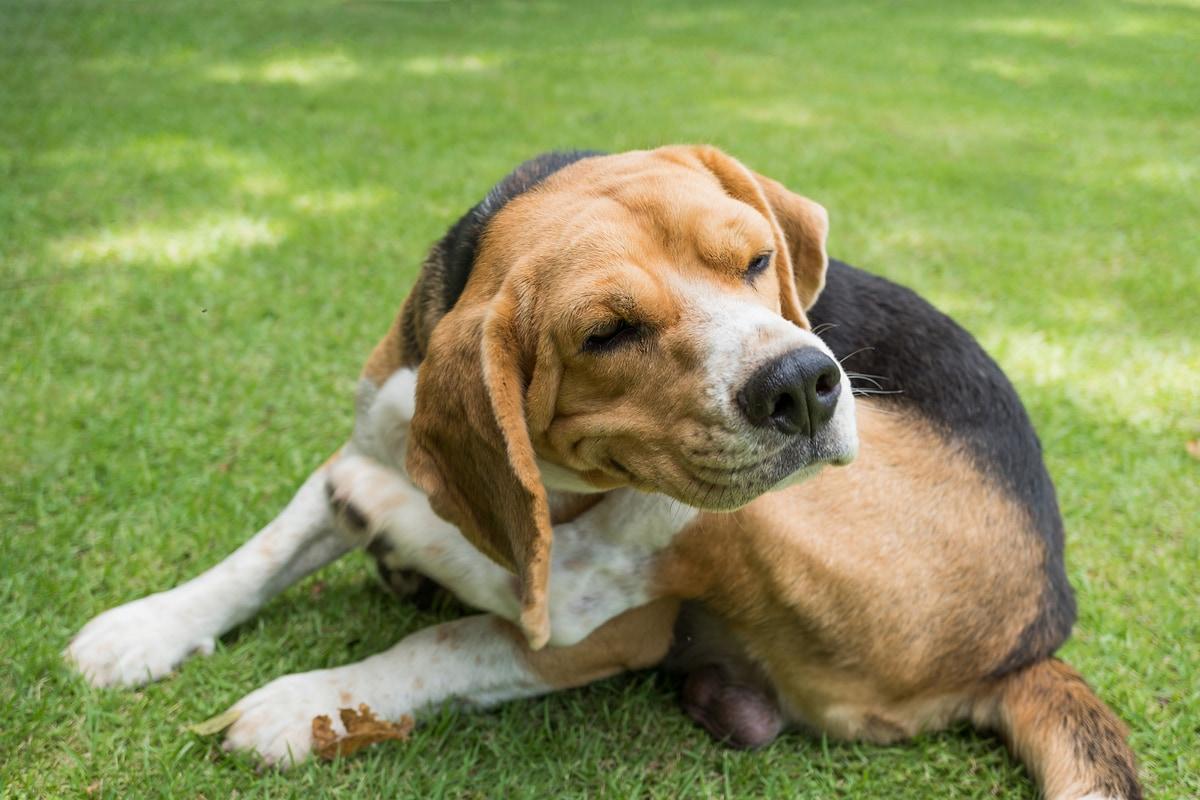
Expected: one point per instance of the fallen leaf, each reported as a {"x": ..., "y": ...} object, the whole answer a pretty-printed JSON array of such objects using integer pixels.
[
  {"x": 1193, "y": 448},
  {"x": 93, "y": 787},
  {"x": 362, "y": 729},
  {"x": 216, "y": 724}
]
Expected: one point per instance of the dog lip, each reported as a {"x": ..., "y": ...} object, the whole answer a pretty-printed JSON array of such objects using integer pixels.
[
  {"x": 843, "y": 459},
  {"x": 694, "y": 461},
  {"x": 622, "y": 471},
  {"x": 839, "y": 452},
  {"x": 785, "y": 467},
  {"x": 759, "y": 479}
]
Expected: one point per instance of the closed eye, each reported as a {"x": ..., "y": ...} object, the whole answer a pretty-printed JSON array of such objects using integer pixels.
[
  {"x": 757, "y": 266},
  {"x": 610, "y": 336}
]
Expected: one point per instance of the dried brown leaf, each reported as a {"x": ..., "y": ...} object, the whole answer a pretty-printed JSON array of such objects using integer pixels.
[
  {"x": 1193, "y": 448},
  {"x": 363, "y": 729}
]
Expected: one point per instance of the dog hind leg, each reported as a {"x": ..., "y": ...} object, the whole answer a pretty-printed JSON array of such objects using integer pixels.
[{"x": 724, "y": 690}]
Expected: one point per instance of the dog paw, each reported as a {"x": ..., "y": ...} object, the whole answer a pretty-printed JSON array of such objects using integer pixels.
[
  {"x": 365, "y": 493},
  {"x": 338, "y": 490},
  {"x": 276, "y": 721},
  {"x": 136, "y": 643}
]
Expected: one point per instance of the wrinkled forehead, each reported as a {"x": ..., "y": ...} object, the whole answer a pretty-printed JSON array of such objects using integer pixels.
[{"x": 630, "y": 210}]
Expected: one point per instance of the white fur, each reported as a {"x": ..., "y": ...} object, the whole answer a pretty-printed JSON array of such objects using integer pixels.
[
  {"x": 145, "y": 639},
  {"x": 600, "y": 567},
  {"x": 740, "y": 336},
  {"x": 383, "y": 416},
  {"x": 600, "y": 563},
  {"x": 419, "y": 538},
  {"x": 470, "y": 660}
]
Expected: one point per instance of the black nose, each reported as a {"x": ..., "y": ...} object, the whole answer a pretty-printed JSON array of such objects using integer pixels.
[{"x": 795, "y": 394}]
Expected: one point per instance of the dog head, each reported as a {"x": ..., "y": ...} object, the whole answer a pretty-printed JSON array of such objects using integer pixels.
[{"x": 631, "y": 320}]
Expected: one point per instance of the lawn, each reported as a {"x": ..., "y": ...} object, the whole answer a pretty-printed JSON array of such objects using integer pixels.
[{"x": 210, "y": 211}]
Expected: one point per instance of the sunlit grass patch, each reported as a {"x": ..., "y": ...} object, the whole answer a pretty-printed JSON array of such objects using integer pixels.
[
  {"x": 169, "y": 246},
  {"x": 449, "y": 64},
  {"x": 337, "y": 201},
  {"x": 1072, "y": 28},
  {"x": 308, "y": 70},
  {"x": 1109, "y": 375}
]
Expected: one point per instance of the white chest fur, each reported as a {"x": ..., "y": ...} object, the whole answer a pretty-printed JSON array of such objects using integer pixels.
[{"x": 601, "y": 562}]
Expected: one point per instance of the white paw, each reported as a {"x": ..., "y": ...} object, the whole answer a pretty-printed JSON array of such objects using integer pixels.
[
  {"x": 136, "y": 643},
  {"x": 362, "y": 491},
  {"x": 276, "y": 721}
]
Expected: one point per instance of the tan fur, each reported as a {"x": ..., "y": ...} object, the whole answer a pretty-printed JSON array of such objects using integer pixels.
[
  {"x": 1051, "y": 718},
  {"x": 634, "y": 640},
  {"x": 559, "y": 259},
  {"x": 877, "y": 598},
  {"x": 388, "y": 355},
  {"x": 861, "y": 614},
  {"x": 470, "y": 452},
  {"x": 800, "y": 227}
]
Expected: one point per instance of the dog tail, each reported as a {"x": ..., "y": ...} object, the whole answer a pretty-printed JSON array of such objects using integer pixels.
[{"x": 1071, "y": 742}]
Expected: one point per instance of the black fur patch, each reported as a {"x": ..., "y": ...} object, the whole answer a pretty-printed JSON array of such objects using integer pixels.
[
  {"x": 461, "y": 242},
  {"x": 937, "y": 369},
  {"x": 450, "y": 261}
]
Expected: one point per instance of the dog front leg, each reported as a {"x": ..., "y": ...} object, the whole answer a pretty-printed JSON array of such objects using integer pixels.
[
  {"x": 145, "y": 639},
  {"x": 478, "y": 662}
]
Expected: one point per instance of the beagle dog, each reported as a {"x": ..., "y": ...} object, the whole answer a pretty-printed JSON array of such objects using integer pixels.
[{"x": 614, "y": 415}]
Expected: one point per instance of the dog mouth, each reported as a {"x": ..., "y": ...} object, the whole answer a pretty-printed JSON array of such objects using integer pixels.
[
  {"x": 723, "y": 473},
  {"x": 728, "y": 484}
]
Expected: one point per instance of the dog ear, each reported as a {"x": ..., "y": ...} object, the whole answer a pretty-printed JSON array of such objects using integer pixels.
[
  {"x": 805, "y": 225},
  {"x": 801, "y": 227},
  {"x": 469, "y": 448}
]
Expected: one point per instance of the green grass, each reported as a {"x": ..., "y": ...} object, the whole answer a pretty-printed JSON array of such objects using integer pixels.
[{"x": 210, "y": 211}]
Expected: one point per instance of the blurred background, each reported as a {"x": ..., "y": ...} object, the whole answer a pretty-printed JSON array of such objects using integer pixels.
[{"x": 210, "y": 211}]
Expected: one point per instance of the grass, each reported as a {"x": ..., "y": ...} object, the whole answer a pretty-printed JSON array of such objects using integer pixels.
[{"x": 210, "y": 211}]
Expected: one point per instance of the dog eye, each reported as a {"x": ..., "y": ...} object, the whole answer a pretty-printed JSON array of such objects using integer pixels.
[
  {"x": 758, "y": 265},
  {"x": 610, "y": 335}
]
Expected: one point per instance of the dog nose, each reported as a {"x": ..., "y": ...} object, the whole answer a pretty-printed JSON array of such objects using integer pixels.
[{"x": 795, "y": 393}]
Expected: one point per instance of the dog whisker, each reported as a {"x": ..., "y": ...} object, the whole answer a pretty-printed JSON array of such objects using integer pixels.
[
  {"x": 868, "y": 375},
  {"x": 846, "y": 358},
  {"x": 857, "y": 391},
  {"x": 872, "y": 381}
]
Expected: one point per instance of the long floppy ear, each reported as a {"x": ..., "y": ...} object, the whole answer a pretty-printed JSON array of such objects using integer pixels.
[
  {"x": 801, "y": 224},
  {"x": 469, "y": 448}
]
